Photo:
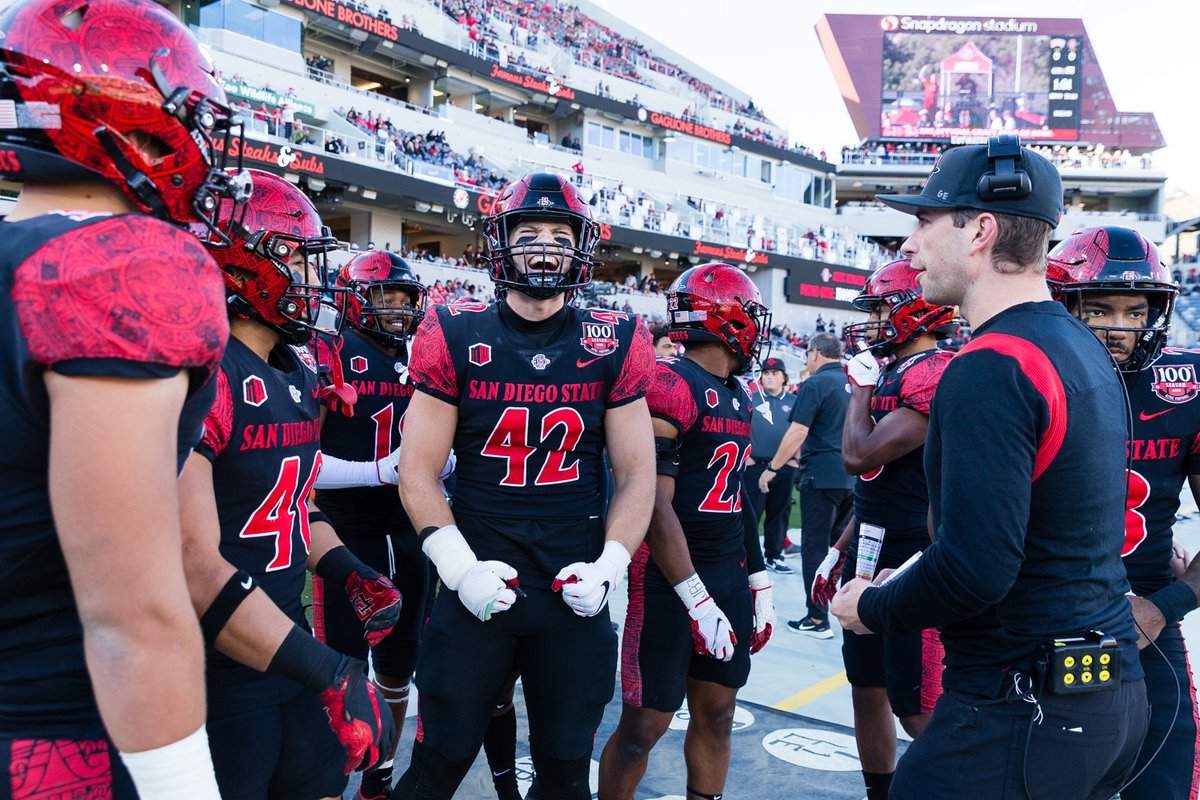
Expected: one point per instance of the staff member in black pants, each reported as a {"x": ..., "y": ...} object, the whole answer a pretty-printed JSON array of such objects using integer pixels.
[
  {"x": 1027, "y": 486},
  {"x": 772, "y": 408},
  {"x": 826, "y": 500}
]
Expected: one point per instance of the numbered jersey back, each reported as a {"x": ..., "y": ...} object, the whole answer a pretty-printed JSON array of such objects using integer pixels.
[
  {"x": 713, "y": 419},
  {"x": 531, "y": 402}
]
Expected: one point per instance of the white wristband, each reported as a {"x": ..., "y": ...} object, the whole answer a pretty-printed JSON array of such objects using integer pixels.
[
  {"x": 451, "y": 554},
  {"x": 760, "y": 580},
  {"x": 691, "y": 591},
  {"x": 337, "y": 473},
  {"x": 181, "y": 770}
]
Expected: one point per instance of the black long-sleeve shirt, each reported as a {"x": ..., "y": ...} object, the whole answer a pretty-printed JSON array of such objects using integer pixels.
[{"x": 1025, "y": 460}]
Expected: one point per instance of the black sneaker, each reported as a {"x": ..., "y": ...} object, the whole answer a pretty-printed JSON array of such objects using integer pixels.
[
  {"x": 791, "y": 550},
  {"x": 779, "y": 565},
  {"x": 806, "y": 626}
]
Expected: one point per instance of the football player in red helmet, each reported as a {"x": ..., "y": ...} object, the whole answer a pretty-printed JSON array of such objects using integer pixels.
[
  {"x": 530, "y": 391},
  {"x": 1114, "y": 280},
  {"x": 114, "y": 326},
  {"x": 883, "y": 444},
  {"x": 249, "y": 525},
  {"x": 696, "y": 550},
  {"x": 385, "y": 305}
]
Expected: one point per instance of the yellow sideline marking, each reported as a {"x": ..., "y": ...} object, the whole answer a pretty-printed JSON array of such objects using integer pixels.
[{"x": 806, "y": 696}]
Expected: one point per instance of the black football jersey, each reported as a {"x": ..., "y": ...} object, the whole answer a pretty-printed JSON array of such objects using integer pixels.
[
  {"x": 531, "y": 401},
  {"x": 1164, "y": 450},
  {"x": 382, "y": 383},
  {"x": 263, "y": 439},
  {"x": 713, "y": 418},
  {"x": 895, "y": 495},
  {"x": 84, "y": 295}
]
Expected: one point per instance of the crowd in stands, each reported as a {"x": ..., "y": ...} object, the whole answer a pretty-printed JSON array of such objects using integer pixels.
[
  {"x": 394, "y": 145},
  {"x": 318, "y": 64},
  {"x": 590, "y": 43},
  {"x": 1088, "y": 157}
]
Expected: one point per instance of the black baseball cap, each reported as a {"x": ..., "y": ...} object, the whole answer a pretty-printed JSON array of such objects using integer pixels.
[
  {"x": 776, "y": 364},
  {"x": 1000, "y": 176}
]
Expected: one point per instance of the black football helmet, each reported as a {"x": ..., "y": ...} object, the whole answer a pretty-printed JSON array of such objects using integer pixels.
[
  {"x": 544, "y": 197},
  {"x": 368, "y": 276},
  {"x": 1111, "y": 259}
]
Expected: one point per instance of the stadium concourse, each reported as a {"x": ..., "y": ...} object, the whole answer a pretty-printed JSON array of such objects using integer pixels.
[{"x": 793, "y": 729}]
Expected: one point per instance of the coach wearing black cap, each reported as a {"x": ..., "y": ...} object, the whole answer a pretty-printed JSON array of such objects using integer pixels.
[
  {"x": 1027, "y": 495},
  {"x": 772, "y": 409}
]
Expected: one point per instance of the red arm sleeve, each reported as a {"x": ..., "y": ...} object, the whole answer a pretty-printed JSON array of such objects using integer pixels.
[
  {"x": 128, "y": 289},
  {"x": 670, "y": 398},
  {"x": 636, "y": 371},
  {"x": 430, "y": 365}
]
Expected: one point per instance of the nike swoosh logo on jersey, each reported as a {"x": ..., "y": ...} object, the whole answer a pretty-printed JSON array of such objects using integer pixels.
[
  {"x": 579, "y": 362},
  {"x": 246, "y": 584},
  {"x": 1144, "y": 417}
]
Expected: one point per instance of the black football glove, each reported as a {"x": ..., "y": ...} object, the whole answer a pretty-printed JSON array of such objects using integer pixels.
[
  {"x": 375, "y": 600},
  {"x": 358, "y": 717}
]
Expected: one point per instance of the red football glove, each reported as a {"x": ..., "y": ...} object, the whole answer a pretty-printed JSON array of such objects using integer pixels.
[
  {"x": 355, "y": 715},
  {"x": 375, "y": 600},
  {"x": 829, "y": 575}
]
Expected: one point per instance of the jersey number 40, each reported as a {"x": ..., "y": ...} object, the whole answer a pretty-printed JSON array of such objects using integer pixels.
[{"x": 510, "y": 442}]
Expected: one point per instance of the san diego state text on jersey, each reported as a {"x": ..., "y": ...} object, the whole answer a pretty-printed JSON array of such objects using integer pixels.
[
  {"x": 86, "y": 294},
  {"x": 532, "y": 399},
  {"x": 1164, "y": 449},
  {"x": 713, "y": 418},
  {"x": 531, "y": 402},
  {"x": 895, "y": 495}
]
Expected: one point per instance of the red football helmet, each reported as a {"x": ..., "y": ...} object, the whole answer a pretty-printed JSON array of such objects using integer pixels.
[
  {"x": 717, "y": 302},
  {"x": 895, "y": 287},
  {"x": 1107, "y": 260},
  {"x": 121, "y": 90},
  {"x": 543, "y": 197},
  {"x": 276, "y": 271},
  {"x": 369, "y": 276}
]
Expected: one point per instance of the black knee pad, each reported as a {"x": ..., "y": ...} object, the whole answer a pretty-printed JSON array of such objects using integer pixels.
[
  {"x": 560, "y": 780},
  {"x": 432, "y": 776}
]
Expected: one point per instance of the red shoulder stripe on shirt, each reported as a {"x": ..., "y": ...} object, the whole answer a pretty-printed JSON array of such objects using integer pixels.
[{"x": 1041, "y": 373}]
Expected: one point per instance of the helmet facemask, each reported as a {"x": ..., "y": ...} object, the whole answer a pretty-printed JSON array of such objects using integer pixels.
[
  {"x": 1147, "y": 340},
  {"x": 565, "y": 265}
]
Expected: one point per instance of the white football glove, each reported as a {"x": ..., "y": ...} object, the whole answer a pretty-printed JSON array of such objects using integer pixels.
[
  {"x": 484, "y": 587},
  {"x": 829, "y": 575},
  {"x": 863, "y": 370},
  {"x": 764, "y": 610},
  {"x": 387, "y": 468},
  {"x": 711, "y": 632},
  {"x": 587, "y": 585}
]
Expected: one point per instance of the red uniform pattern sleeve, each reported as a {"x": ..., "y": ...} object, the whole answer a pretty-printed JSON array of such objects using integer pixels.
[
  {"x": 129, "y": 288},
  {"x": 670, "y": 398},
  {"x": 920, "y": 381},
  {"x": 218, "y": 425},
  {"x": 430, "y": 366},
  {"x": 636, "y": 371}
]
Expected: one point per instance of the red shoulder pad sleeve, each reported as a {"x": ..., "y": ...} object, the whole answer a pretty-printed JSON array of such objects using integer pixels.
[
  {"x": 430, "y": 365},
  {"x": 218, "y": 425},
  {"x": 637, "y": 369},
  {"x": 919, "y": 383},
  {"x": 131, "y": 288},
  {"x": 670, "y": 398}
]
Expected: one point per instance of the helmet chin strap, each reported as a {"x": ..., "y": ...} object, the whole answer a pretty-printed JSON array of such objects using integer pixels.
[{"x": 137, "y": 182}]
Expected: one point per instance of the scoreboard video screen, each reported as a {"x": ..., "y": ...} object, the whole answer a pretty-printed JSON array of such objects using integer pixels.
[{"x": 975, "y": 83}]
